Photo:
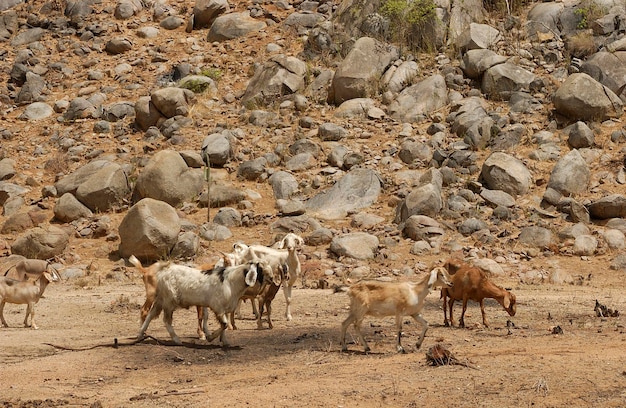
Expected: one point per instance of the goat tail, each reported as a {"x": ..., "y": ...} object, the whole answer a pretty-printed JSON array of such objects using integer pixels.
[
  {"x": 136, "y": 263},
  {"x": 340, "y": 288}
]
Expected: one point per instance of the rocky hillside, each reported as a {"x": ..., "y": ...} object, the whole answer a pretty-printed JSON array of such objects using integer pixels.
[{"x": 506, "y": 143}]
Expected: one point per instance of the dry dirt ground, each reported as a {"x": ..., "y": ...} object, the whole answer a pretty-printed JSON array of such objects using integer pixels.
[{"x": 299, "y": 362}]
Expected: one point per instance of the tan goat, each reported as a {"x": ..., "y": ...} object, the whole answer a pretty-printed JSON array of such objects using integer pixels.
[{"x": 397, "y": 299}]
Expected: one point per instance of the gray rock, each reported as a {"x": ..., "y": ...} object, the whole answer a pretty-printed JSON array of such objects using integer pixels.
[
  {"x": 149, "y": 230},
  {"x": 570, "y": 175},
  {"x": 579, "y": 135},
  {"x": 615, "y": 239},
  {"x": 215, "y": 232},
  {"x": 507, "y": 173},
  {"x": 186, "y": 247},
  {"x": 27, "y": 37},
  {"x": 290, "y": 207},
  {"x": 581, "y": 97},
  {"x": 7, "y": 169},
  {"x": 37, "y": 111},
  {"x": 497, "y": 198},
  {"x": 412, "y": 151},
  {"x": 67, "y": 209},
  {"x": 366, "y": 61},
  {"x": 172, "y": 22},
  {"x": 319, "y": 237},
  {"x": 125, "y": 9},
  {"x": 424, "y": 200},
  {"x": 536, "y": 237},
  {"x": 233, "y": 25},
  {"x": 331, "y": 132},
  {"x": 118, "y": 45},
  {"x": 501, "y": 80},
  {"x": 228, "y": 217},
  {"x": 284, "y": 184},
  {"x": 41, "y": 243},
  {"x": 421, "y": 227},
  {"x": 167, "y": 177},
  {"x": 475, "y": 62},
  {"x": 105, "y": 189},
  {"x": 611, "y": 206},
  {"x": 172, "y": 101},
  {"x": 32, "y": 89},
  {"x": 357, "y": 245},
  {"x": 281, "y": 75},
  {"x": 471, "y": 225},
  {"x": 358, "y": 189},
  {"x": 71, "y": 182},
  {"x": 400, "y": 75},
  {"x": 206, "y": 11},
  {"x": 252, "y": 169},
  {"x": 609, "y": 69},
  {"x": 478, "y": 36},
  {"x": 585, "y": 245},
  {"x": 418, "y": 101}
]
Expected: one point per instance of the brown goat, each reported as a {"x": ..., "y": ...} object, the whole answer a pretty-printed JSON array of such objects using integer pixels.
[{"x": 471, "y": 283}]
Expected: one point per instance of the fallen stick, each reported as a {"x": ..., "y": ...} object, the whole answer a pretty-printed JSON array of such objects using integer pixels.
[{"x": 115, "y": 344}]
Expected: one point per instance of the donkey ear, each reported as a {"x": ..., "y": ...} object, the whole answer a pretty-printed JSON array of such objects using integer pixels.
[{"x": 251, "y": 275}]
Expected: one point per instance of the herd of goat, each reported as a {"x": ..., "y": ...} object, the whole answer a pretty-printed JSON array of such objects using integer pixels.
[{"x": 256, "y": 273}]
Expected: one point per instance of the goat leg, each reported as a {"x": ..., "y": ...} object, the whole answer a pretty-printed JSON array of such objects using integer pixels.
[
  {"x": 419, "y": 319},
  {"x": 399, "y": 347},
  {"x": 482, "y": 310},
  {"x": 4, "y": 322}
]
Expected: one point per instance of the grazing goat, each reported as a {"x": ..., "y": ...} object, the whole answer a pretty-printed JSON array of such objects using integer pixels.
[
  {"x": 180, "y": 286},
  {"x": 397, "y": 299},
  {"x": 285, "y": 253},
  {"x": 150, "y": 283},
  {"x": 471, "y": 283},
  {"x": 25, "y": 292}
]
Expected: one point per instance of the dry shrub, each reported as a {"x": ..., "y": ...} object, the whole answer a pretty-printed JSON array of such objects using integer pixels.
[
  {"x": 581, "y": 45},
  {"x": 58, "y": 164}
]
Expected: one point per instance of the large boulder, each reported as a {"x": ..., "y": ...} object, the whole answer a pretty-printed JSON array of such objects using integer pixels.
[
  {"x": 570, "y": 175},
  {"x": 149, "y": 230},
  {"x": 507, "y": 173},
  {"x": 581, "y": 97},
  {"x": 281, "y": 75},
  {"x": 362, "y": 67},
  {"x": 358, "y": 189},
  {"x": 233, "y": 25},
  {"x": 167, "y": 177},
  {"x": 418, "y": 101},
  {"x": 41, "y": 243}
]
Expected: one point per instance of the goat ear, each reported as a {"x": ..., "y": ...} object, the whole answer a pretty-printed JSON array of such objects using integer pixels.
[
  {"x": 507, "y": 301},
  {"x": 251, "y": 274},
  {"x": 281, "y": 244}
]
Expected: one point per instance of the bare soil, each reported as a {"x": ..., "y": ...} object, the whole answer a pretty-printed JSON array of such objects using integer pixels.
[{"x": 71, "y": 360}]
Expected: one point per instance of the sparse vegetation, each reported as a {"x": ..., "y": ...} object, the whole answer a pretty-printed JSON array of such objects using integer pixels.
[
  {"x": 588, "y": 11},
  {"x": 58, "y": 164},
  {"x": 213, "y": 73},
  {"x": 195, "y": 85},
  {"x": 409, "y": 22}
]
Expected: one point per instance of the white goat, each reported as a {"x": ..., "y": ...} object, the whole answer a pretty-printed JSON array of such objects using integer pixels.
[
  {"x": 397, "y": 299},
  {"x": 150, "y": 283},
  {"x": 285, "y": 253},
  {"x": 180, "y": 286},
  {"x": 25, "y": 292}
]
